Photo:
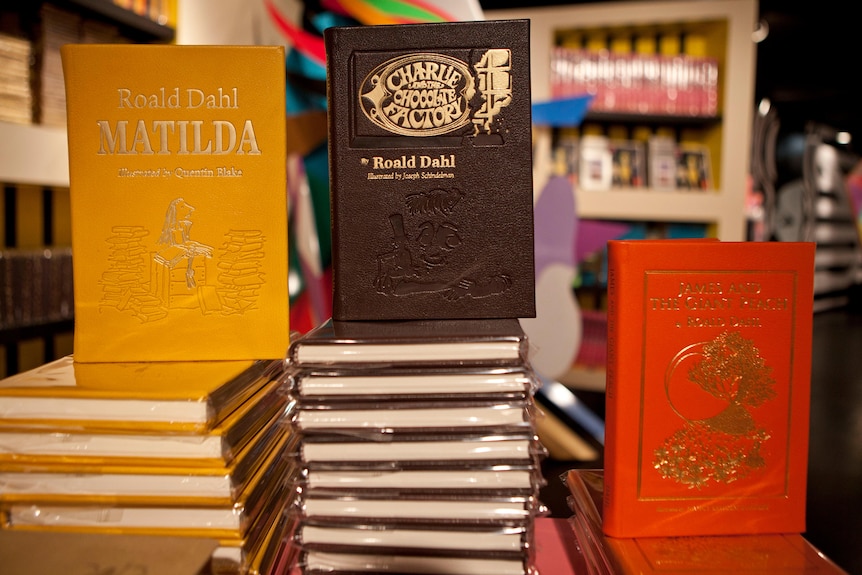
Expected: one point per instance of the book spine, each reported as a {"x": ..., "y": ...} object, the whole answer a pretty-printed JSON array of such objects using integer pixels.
[
  {"x": 611, "y": 386},
  {"x": 610, "y": 518}
]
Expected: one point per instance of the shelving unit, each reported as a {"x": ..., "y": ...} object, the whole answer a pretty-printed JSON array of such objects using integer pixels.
[
  {"x": 727, "y": 136},
  {"x": 34, "y": 173}
]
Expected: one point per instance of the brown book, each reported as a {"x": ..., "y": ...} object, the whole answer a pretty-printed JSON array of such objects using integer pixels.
[
  {"x": 431, "y": 171},
  {"x": 420, "y": 343}
]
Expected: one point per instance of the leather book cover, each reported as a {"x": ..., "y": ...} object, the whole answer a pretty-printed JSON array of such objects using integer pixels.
[
  {"x": 763, "y": 553},
  {"x": 430, "y": 151},
  {"x": 708, "y": 387},
  {"x": 178, "y": 201}
]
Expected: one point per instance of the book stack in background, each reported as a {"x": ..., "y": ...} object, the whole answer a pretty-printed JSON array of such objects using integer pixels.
[
  {"x": 16, "y": 102},
  {"x": 417, "y": 447},
  {"x": 38, "y": 286},
  {"x": 182, "y": 449},
  {"x": 59, "y": 27}
]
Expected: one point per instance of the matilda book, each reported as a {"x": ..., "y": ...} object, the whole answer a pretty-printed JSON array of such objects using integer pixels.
[
  {"x": 177, "y": 396},
  {"x": 454, "y": 342},
  {"x": 788, "y": 553},
  {"x": 178, "y": 201},
  {"x": 430, "y": 149},
  {"x": 216, "y": 446},
  {"x": 153, "y": 483},
  {"x": 271, "y": 483},
  {"x": 708, "y": 382}
]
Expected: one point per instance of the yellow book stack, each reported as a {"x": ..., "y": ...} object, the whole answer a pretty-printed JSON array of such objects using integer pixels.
[
  {"x": 196, "y": 449},
  {"x": 171, "y": 418}
]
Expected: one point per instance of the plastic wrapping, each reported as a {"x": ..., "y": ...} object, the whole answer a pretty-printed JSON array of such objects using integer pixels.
[
  {"x": 406, "y": 383},
  {"x": 320, "y": 563},
  {"x": 179, "y": 396},
  {"x": 368, "y": 344},
  {"x": 452, "y": 541},
  {"x": 418, "y": 448},
  {"x": 151, "y": 484},
  {"x": 272, "y": 482},
  {"x": 334, "y": 507},
  {"x": 78, "y": 444},
  {"x": 417, "y": 416},
  {"x": 490, "y": 479},
  {"x": 406, "y": 451}
]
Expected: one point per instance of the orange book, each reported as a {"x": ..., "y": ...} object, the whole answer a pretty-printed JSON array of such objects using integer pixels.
[
  {"x": 708, "y": 381},
  {"x": 178, "y": 201},
  {"x": 761, "y": 554}
]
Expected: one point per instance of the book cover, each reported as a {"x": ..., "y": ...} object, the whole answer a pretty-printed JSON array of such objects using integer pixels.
[
  {"x": 79, "y": 445},
  {"x": 172, "y": 396},
  {"x": 763, "y": 554},
  {"x": 178, "y": 201},
  {"x": 430, "y": 151},
  {"x": 708, "y": 387},
  {"x": 452, "y": 342}
]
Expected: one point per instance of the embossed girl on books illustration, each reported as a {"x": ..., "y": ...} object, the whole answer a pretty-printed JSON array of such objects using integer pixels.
[
  {"x": 176, "y": 237},
  {"x": 420, "y": 263},
  {"x": 174, "y": 275}
]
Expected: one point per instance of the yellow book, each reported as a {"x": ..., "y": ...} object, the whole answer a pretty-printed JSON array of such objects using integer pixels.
[
  {"x": 273, "y": 482},
  {"x": 169, "y": 396},
  {"x": 273, "y": 528},
  {"x": 178, "y": 201},
  {"x": 152, "y": 446},
  {"x": 159, "y": 483}
]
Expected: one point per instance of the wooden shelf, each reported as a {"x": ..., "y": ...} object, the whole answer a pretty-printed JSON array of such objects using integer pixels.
[
  {"x": 729, "y": 134},
  {"x": 32, "y": 154},
  {"x": 139, "y": 26}
]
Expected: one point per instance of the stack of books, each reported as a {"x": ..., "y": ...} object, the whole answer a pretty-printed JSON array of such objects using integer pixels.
[
  {"x": 749, "y": 553},
  {"x": 417, "y": 447},
  {"x": 16, "y": 103},
  {"x": 181, "y": 449}
]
